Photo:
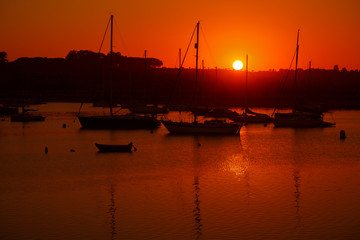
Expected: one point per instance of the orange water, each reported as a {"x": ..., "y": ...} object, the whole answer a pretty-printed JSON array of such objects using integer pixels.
[{"x": 266, "y": 183}]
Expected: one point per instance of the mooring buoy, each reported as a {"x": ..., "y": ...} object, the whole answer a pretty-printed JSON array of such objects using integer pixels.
[{"x": 342, "y": 134}]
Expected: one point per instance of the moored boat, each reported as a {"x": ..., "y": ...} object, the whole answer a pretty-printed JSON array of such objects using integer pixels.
[
  {"x": 216, "y": 126},
  {"x": 26, "y": 118},
  {"x": 300, "y": 117},
  {"x": 207, "y": 127},
  {"x": 115, "y": 147},
  {"x": 129, "y": 121},
  {"x": 112, "y": 121}
]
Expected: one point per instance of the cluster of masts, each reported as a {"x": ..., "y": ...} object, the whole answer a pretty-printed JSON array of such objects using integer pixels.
[{"x": 222, "y": 120}]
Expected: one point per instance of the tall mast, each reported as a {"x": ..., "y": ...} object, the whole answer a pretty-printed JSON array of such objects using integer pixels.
[
  {"x": 196, "y": 68},
  {"x": 309, "y": 78},
  {"x": 246, "y": 84},
  {"x": 111, "y": 65},
  {"x": 145, "y": 60},
  {"x": 296, "y": 65},
  {"x": 179, "y": 58}
]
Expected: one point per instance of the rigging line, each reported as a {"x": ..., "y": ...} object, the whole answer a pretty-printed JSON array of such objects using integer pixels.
[
  {"x": 208, "y": 46},
  {"x": 182, "y": 63},
  {"x": 82, "y": 102},
  {"x": 107, "y": 26},
  {"x": 121, "y": 37},
  {"x": 177, "y": 60},
  {"x": 283, "y": 85}
]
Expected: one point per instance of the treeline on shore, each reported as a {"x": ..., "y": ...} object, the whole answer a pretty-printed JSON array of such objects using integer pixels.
[{"x": 87, "y": 76}]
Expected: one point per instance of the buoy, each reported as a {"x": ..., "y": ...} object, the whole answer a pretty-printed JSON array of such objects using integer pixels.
[
  {"x": 72, "y": 150},
  {"x": 265, "y": 125},
  {"x": 342, "y": 134},
  {"x": 64, "y": 125},
  {"x": 46, "y": 150},
  {"x": 199, "y": 144}
]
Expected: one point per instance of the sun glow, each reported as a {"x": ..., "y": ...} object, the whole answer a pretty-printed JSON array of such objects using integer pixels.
[{"x": 238, "y": 65}]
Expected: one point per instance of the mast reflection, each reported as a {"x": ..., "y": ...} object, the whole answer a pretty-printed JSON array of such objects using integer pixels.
[
  {"x": 196, "y": 211},
  {"x": 196, "y": 185},
  {"x": 112, "y": 211},
  {"x": 297, "y": 194}
]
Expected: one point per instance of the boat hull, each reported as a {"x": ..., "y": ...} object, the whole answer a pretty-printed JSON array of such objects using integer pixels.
[
  {"x": 300, "y": 120},
  {"x": 289, "y": 123},
  {"x": 253, "y": 119},
  {"x": 27, "y": 118},
  {"x": 118, "y": 122},
  {"x": 202, "y": 128},
  {"x": 114, "y": 148},
  {"x": 8, "y": 110}
]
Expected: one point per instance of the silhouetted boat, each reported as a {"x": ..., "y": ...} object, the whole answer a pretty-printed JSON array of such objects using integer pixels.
[
  {"x": 145, "y": 108},
  {"x": 207, "y": 127},
  {"x": 195, "y": 127},
  {"x": 115, "y": 148},
  {"x": 128, "y": 121},
  {"x": 4, "y": 110},
  {"x": 300, "y": 117},
  {"x": 221, "y": 113},
  {"x": 25, "y": 116},
  {"x": 249, "y": 116}
]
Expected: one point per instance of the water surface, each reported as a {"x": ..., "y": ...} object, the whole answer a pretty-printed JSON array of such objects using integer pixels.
[{"x": 266, "y": 183}]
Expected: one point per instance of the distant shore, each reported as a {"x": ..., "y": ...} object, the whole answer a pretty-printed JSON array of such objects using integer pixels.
[{"x": 84, "y": 76}]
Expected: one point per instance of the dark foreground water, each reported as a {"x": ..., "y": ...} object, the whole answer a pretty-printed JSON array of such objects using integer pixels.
[{"x": 266, "y": 183}]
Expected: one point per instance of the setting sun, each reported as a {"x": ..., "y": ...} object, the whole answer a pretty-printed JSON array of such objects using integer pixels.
[{"x": 238, "y": 65}]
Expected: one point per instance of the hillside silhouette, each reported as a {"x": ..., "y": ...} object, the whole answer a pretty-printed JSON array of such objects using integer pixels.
[{"x": 87, "y": 76}]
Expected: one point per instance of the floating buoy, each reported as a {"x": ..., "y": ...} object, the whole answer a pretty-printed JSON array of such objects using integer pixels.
[
  {"x": 46, "y": 150},
  {"x": 72, "y": 150},
  {"x": 199, "y": 144},
  {"x": 342, "y": 134},
  {"x": 64, "y": 125},
  {"x": 265, "y": 125}
]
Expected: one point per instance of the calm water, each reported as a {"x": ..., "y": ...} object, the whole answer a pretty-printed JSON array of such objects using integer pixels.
[{"x": 264, "y": 184}]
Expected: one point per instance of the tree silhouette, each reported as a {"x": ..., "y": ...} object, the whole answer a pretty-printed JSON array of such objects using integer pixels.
[{"x": 3, "y": 57}]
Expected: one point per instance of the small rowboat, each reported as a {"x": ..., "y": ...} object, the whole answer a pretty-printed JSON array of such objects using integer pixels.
[{"x": 115, "y": 148}]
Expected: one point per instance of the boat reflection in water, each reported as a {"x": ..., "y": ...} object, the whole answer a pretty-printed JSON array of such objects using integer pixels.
[{"x": 266, "y": 183}]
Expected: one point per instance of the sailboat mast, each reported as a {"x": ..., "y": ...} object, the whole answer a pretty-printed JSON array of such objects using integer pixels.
[
  {"x": 309, "y": 78},
  {"x": 246, "y": 83},
  {"x": 196, "y": 67},
  {"x": 111, "y": 65},
  {"x": 296, "y": 65}
]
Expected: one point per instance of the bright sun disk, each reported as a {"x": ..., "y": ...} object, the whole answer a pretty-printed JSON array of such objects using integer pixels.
[{"x": 237, "y": 65}]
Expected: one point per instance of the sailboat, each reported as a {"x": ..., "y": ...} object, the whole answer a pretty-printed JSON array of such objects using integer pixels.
[
  {"x": 206, "y": 127},
  {"x": 24, "y": 115},
  {"x": 249, "y": 116},
  {"x": 128, "y": 121},
  {"x": 300, "y": 117}
]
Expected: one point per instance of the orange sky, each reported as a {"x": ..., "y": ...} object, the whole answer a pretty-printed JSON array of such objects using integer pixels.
[{"x": 265, "y": 30}]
